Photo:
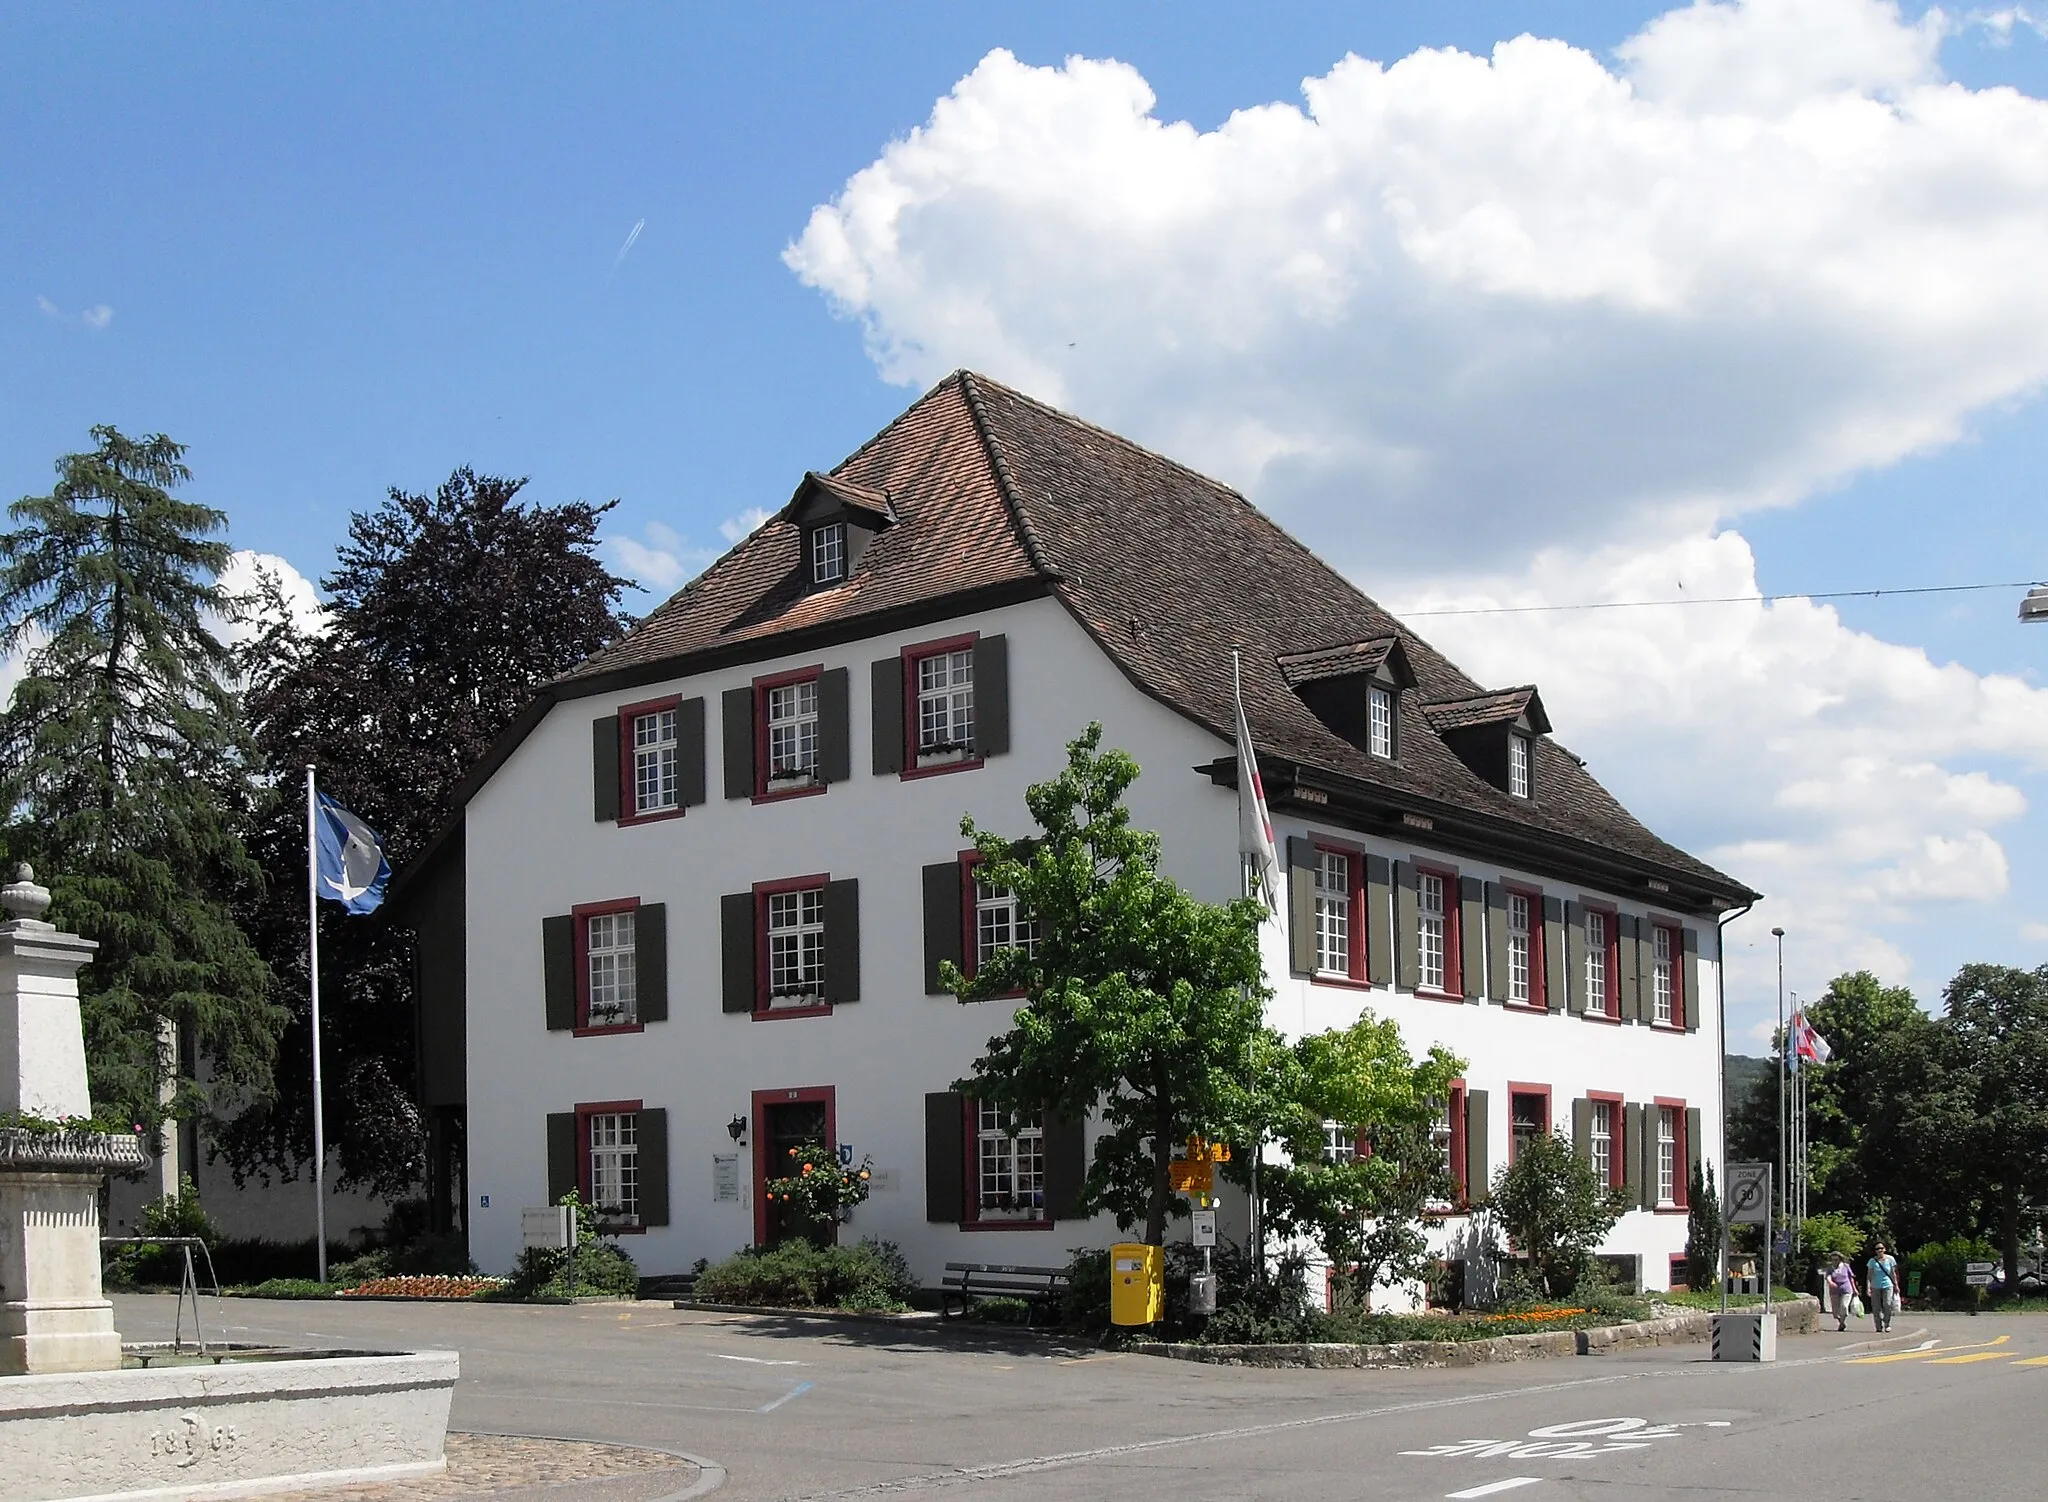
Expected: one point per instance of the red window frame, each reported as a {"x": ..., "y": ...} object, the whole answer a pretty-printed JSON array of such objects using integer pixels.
[
  {"x": 970, "y": 1168},
  {"x": 584, "y": 1111},
  {"x": 1674, "y": 1260},
  {"x": 629, "y": 793},
  {"x": 1539, "y": 972},
  {"x": 1679, "y": 1000},
  {"x": 1681, "y": 1178},
  {"x": 912, "y": 656},
  {"x": 1454, "y": 933},
  {"x": 759, "y": 1119},
  {"x": 1519, "y": 1087},
  {"x": 763, "y": 890},
  {"x": 579, "y": 924},
  {"x": 970, "y": 928},
  {"x": 763, "y": 793},
  {"x": 1359, "y": 976},
  {"x": 1617, "y": 1136},
  {"x": 1613, "y": 916},
  {"x": 1455, "y": 1106}
]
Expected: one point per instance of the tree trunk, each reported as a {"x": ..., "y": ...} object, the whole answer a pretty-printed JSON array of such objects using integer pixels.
[
  {"x": 117, "y": 639},
  {"x": 2009, "y": 1241},
  {"x": 1162, "y": 1192}
]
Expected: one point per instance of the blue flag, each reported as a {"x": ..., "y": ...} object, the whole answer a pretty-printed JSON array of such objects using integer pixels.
[{"x": 352, "y": 867}]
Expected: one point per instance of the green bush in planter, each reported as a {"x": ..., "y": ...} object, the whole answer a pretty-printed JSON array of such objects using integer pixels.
[{"x": 797, "y": 1275}]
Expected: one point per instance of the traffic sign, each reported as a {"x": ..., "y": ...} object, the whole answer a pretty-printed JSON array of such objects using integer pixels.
[
  {"x": 1747, "y": 1201},
  {"x": 1978, "y": 1274},
  {"x": 1191, "y": 1178}
]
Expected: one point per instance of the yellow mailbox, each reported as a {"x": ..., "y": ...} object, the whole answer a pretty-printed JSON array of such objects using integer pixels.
[{"x": 1137, "y": 1283}]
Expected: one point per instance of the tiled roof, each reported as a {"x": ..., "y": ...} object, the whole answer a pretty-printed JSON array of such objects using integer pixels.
[
  {"x": 1486, "y": 709},
  {"x": 1335, "y": 662},
  {"x": 1163, "y": 566},
  {"x": 861, "y": 497}
]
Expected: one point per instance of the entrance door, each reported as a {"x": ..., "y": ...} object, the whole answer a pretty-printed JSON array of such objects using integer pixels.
[{"x": 786, "y": 1120}]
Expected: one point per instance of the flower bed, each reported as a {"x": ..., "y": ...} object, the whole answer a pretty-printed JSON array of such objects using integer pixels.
[{"x": 422, "y": 1286}]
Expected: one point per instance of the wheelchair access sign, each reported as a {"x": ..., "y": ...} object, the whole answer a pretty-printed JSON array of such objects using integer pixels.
[{"x": 1747, "y": 1200}]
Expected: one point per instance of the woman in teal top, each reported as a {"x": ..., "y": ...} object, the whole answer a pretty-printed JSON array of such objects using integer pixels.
[{"x": 1883, "y": 1283}]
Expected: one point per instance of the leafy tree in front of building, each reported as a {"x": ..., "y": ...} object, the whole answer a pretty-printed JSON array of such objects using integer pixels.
[
  {"x": 1555, "y": 1210},
  {"x": 1703, "y": 1231},
  {"x": 129, "y": 776},
  {"x": 1142, "y": 1004}
]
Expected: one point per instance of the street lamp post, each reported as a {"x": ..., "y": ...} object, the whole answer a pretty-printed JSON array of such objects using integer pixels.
[
  {"x": 1779, "y": 935},
  {"x": 2035, "y": 606}
]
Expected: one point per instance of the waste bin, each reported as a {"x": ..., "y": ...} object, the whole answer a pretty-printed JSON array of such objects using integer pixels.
[{"x": 1137, "y": 1283}]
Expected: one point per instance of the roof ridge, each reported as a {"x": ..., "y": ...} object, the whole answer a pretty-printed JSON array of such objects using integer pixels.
[
  {"x": 1484, "y": 693},
  {"x": 1006, "y": 486}
]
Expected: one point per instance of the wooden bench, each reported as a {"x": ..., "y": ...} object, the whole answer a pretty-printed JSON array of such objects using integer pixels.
[{"x": 1037, "y": 1286}]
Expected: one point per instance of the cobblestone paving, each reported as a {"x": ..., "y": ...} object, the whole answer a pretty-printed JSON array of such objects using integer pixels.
[{"x": 485, "y": 1465}]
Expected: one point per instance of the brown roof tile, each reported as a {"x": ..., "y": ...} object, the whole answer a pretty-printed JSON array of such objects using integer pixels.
[{"x": 1486, "y": 709}]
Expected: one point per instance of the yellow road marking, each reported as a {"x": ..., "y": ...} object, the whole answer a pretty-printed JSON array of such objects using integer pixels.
[
  {"x": 1966, "y": 1360},
  {"x": 2033, "y": 1361},
  {"x": 1941, "y": 1352}
]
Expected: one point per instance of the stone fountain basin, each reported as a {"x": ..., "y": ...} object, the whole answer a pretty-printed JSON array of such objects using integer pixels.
[{"x": 256, "y": 1422}]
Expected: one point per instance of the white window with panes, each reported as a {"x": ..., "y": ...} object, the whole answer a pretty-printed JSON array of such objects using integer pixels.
[
  {"x": 615, "y": 1166},
  {"x": 1443, "y": 1140},
  {"x": 1667, "y": 1155},
  {"x": 1009, "y": 1166},
  {"x": 1596, "y": 961},
  {"x": 1333, "y": 912},
  {"x": 793, "y": 733},
  {"x": 945, "y": 706},
  {"x": 796, "y": 947},
  {"x": 999, "y": 923},
  {"x": 1340, "y": 1143},
  {"x": 1431, "y": 919},
  {"x": 654, "y": 762},
  {"x": 608, "y": 947},
  {"x": 1379, "y": 721},
  {"x": 1663, "y": 980},
  {"x": 828, "y": 553},
  {"x": 1600, "y": 1140},
  {"x": 1521, "y": 947},
  {"x": 1518, "y": 766}
]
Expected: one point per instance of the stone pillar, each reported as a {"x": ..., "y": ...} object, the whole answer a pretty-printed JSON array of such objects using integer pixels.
[{"x": 53, "y": 1315}]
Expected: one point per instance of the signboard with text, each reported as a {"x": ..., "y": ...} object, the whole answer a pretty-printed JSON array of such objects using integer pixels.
[{"x": 1746, "y": 1198}]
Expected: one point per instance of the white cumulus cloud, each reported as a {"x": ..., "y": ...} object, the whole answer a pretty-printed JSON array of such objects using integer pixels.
[
  {"x": 1536, "y": 327},
  {"x": 663, "y": 558}
]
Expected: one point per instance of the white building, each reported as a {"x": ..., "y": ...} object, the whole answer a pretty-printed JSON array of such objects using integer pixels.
[{"x": 695, "y": 906}]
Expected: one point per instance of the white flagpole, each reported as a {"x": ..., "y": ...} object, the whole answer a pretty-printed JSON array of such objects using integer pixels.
[
  {"x": 1244, "y": 881},
  {"x": 313, "y": 978}
]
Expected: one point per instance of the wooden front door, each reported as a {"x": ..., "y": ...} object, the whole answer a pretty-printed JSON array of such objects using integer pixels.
[{"x": 785, "y": 1120}]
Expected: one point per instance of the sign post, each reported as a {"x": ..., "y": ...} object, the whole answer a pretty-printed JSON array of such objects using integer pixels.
[
  {"x": 1977, "y": 1277},
  {"x": 1746, "y": 1201}
]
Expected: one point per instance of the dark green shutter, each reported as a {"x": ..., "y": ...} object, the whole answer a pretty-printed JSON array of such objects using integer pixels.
[
  {"x": 943, "y": 923},
  {"x": 1628, "y": 978},
  {"x": 1301, "y": 905},
  {"x": 886, "y": 697},
  {"x": 835, "y": 730},
  {"x": 1692, "y": 1147},
  {"x": 690, "y": 775},
  {"x": 558, "y": 970},
  {"x": 992, "y": 696},
  {"x": 1554, "y": 987},
  {"x": 737, "y": 957},
  {"x": 1582, "y": 1129},
  {"x": 1691, "y": 1002},
  {"x": 650, "y": 961},
  {"x": 1477, "y": 1188},
  {"x": 562, "y": 1176},
  {"x": 1471, "y": 938},
  {"x": 1632, "y": 1155},
  {"x": 1497, "y": 941},
  {"x": 650, "y": 1129},
  {"x": 1066, "y": 1164},
  {"x": 842, "y": 942},
  {"x": 604, "y": 768},
  {"x": 1407, "y": 927},
  {"x": 1575, "y": 959},
  {"x": 1379, "y": 944},
  {"x": 738, "y": 710},
  {"x": 945, "y": 1156}
]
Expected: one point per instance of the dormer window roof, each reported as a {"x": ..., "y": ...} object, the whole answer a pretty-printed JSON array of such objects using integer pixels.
[
  {"x": 839, "y": 520},
  {"x": 1355, "y": 689},
  {"x": 1495, "y": 735}
]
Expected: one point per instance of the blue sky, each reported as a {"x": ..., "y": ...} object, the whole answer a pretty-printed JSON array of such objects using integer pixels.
[{"x": 336, "y": 250}]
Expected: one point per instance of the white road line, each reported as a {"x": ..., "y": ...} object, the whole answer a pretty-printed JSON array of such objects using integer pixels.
[
  {"x": 755, "y": 1360},
  {"x": 1496, "y": 1486}
]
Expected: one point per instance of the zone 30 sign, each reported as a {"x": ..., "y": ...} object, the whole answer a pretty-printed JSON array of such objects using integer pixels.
[{"x": 1570, "y": 1441}]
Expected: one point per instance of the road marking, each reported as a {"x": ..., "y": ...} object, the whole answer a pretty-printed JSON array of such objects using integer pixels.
[
  {"x": 2033, "y": 1361},
  {"x": 795, "y": 1392},
  {"x": 1966, "y": 1360},
  {"x": 1923, "y": 1353},
  {"x": 755, "y": 1360},
  {"x": 1496, "y": 1486}
]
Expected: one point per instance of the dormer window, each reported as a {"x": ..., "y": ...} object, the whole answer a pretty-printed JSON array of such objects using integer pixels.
[
  {"x": 1379, "y": 721},
  {"x": 1520, "y": 754},
  {"x": 828, "y": 553}
]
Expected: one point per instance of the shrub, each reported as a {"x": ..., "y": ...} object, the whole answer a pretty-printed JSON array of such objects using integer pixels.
[
  {"x": 1555, "y": 1210},
  {"x": 797, "y": 1275},
  {"x": 372, "y": 1264},
  {"x": 603, "y": 1270},
  {"x": 177, "y": 1214},
  {"x": 286, "y": 1288},
  {"x": 1940, "y": 1264}
]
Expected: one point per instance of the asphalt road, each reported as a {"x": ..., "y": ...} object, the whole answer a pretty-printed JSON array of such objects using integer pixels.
[{"x": 802, "y": 1409}]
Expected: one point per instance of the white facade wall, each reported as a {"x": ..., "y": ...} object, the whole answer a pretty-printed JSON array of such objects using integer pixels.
[{"x": 534, "y": 850}]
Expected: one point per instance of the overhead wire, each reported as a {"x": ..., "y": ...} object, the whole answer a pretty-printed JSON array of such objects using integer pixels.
[{"x": 1839, "y": 594}]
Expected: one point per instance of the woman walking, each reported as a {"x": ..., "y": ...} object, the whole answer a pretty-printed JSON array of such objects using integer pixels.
[
  {"x": 1883, "y": 1282},
  {"x": 1841, "y": 1288}
]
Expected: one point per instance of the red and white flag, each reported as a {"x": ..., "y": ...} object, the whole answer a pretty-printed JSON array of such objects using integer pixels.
[
  {"x": 1254, "y": 823},
  {"x": 1807, "y": 1042}
]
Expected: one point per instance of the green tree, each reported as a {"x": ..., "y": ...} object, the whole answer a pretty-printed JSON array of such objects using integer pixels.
[
  {"x": 1703, "y": 1231},
  {"x": 1368, "y": 1211},
  {"x": 446, "y": 612},
  {"x": 1139, "y": 1001},
  {"x": 1555, "y": 1210},
  {"x": 127, "y": 772}
]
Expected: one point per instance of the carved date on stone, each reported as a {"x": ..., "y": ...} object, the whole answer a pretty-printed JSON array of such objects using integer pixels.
[{"x": 191, "y": 1439}]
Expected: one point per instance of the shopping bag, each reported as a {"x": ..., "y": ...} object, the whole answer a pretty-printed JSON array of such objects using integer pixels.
[{"x": 1856, "y": 1306}]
